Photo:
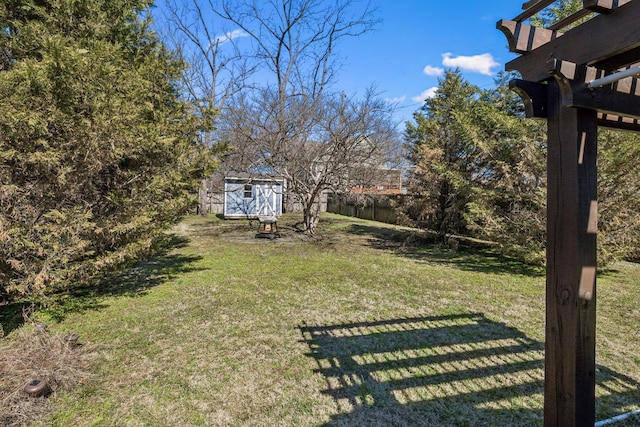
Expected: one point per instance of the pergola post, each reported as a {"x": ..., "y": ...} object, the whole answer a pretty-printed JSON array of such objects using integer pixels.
[
  {"x": 578, "y": 74},
  {"x": 571, "y": 263}
]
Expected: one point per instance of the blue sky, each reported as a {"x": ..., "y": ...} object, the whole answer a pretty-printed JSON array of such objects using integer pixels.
[
  {"x": 418, "y": 39},
  {"x": 414, "y": 43}
]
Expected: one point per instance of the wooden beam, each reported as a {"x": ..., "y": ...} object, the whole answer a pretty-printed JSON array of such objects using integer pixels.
[
  {"x": 608, "y": 101},
  {"x": 532, "y": 3},
  {"x": 603, "y": 6},
  {"x": 601, "y": 38},
  {"x": 614, "y": 121},
  {"x": 531, "y": 8},
  {"x": 524, "y": 38},
  {"x": 570, "y": 19},
  {"x": 586, "y": 74},
  {"x": 571, "y": 260},
  {"x": 535, "y": 99},
  {"x": 558, "y": 70},
  {"x": 630, "y": 57},
  {"x": 621, "y": 98}
]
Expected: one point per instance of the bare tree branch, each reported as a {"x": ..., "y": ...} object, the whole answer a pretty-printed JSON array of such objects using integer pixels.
[{"x": 288, "y": 122}]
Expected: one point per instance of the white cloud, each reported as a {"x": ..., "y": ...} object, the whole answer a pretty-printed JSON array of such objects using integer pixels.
[
  {"x": 396, "y": 100},
  {"x": 478, "y": 63},
  {"x": 223, "y": 38},
  {"x": 433, "y": 71},
  {"x": 429, "y": 93}
]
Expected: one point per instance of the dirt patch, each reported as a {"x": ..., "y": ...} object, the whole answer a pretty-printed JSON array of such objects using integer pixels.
[{"x": 250, "y": 238}]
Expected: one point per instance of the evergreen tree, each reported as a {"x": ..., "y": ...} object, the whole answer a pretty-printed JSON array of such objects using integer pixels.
[
  {"x": 618, "y": 175},
  {"x": 510, "y": 208},
  {"x": 444, "y": 157},
  {"x": 557, "y": 11},
  {"x": 618, "y": 196},
  {"x": 98, "y": 155},
  {"x": 479, "y": 168}
]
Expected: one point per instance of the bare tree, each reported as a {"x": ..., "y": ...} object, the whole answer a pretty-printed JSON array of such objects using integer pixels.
[
  {"x": 285, "y": 120},
  {"x": 337, "y": 145},
  {"x": 218, "y": 69}
]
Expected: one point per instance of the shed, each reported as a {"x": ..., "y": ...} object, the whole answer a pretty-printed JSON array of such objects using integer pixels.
[{"x": 250, "y": 197}]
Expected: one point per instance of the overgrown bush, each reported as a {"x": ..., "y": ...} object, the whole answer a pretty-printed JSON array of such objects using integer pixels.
[{"x": 98, "y": 155}]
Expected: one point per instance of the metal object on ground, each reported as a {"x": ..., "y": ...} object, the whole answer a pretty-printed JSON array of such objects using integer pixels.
[
  {"x": 37, "y": 387},
  {"x": 268, "y": 228},
  {"x": 72, "y": 339}
]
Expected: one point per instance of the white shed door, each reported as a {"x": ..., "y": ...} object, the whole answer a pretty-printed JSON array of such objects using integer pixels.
[{"x": 265, "y": 200}]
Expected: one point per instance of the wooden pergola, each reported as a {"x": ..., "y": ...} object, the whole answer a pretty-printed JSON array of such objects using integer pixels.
[{"x": 578, "y": 74}]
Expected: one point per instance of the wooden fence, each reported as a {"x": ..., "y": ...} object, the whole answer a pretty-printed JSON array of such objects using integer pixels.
[{"x": 376, "y": 208}]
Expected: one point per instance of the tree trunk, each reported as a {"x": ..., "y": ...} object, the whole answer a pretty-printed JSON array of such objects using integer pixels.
[
  {"x": 311, "y": 213},
  {"x": 203, "y": 209}
]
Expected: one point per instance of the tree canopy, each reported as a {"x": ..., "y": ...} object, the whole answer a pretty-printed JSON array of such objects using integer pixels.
[
  {"x": 479, "y": 168},
  {"x": 98, "y": 154},
  {"x": 464, "y": 134},
  {"x": 618, "y": 176}
]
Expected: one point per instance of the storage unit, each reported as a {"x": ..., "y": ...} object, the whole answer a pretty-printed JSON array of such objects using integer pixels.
[{"x": 252, "y": 197}]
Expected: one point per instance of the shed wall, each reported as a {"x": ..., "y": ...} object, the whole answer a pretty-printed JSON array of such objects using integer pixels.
[{"x": 251, "y": 198}]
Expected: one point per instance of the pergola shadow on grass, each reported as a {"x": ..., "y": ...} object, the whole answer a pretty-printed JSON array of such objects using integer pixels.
[{"x": 454, "y": 370}]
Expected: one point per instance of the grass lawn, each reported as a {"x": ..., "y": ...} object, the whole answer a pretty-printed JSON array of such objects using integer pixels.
[{"x": 361, "y": 326}]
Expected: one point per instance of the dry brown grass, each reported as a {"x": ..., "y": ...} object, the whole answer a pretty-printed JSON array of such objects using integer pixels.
[{"x": 34, "y": 353}]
